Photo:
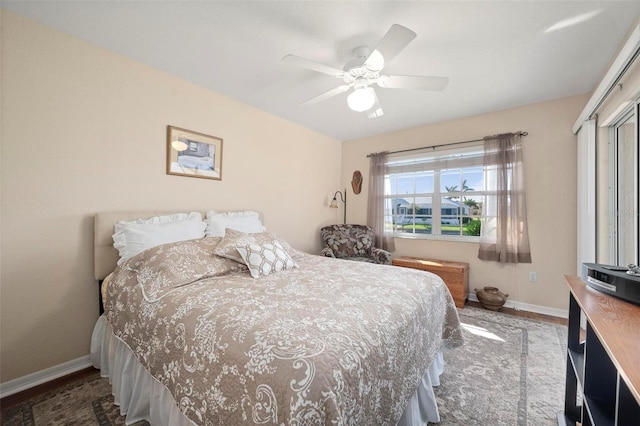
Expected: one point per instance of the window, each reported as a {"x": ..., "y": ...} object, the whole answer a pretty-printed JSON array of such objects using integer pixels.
[
  {"x": 624, "y": 196},
  {"x": 436, "y": 194}
]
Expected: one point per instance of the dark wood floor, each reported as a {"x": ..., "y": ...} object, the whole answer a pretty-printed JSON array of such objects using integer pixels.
[
  {"x": 23, "y": 396},
  {"x": 20, "y": 397}
]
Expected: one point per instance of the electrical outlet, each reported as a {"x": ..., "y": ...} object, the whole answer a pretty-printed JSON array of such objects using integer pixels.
[{"x": 533, "y": 277}]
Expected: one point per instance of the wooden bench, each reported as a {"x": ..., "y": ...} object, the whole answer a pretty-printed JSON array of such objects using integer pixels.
[{"x": 454, "y": 274}]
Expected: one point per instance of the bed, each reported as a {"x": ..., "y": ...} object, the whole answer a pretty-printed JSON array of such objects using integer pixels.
[{"x": 190, "y": 336}]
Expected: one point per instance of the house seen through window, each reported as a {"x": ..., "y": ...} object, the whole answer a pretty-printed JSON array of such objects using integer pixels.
[{"x": 436, "y": 194}]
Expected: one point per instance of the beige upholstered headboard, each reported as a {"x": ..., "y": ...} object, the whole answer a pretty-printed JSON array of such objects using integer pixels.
[{"x": 105, "y": 255}]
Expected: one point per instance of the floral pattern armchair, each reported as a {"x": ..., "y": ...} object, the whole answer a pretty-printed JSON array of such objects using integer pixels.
[{"x": 352, "y": 242}]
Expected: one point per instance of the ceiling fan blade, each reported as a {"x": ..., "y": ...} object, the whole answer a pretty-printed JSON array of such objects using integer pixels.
[
  {"x": 326, "y": 95},
  {"x": 311, "y": 65},
  {"x": 376, "y": 110},
  {"x": 396, "y": 39},
  {"x": 413, "y": 82}
]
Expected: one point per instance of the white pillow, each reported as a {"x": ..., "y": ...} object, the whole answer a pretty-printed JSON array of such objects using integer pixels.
[
  {"x": 265, "y": 258},
  {"x": 121, "y": 225},
  {"x": 131, "y": 238},
  {"x": 246, "y": 221}
]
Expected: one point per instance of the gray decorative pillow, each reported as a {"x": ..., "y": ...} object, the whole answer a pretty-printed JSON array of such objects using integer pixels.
[{"x": 263, "y": 259}]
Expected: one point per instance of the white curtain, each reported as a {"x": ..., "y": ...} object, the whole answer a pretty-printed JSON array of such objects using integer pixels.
[
  {"x": 504, "y": 233},
  {"x": 376, "y": 202}
]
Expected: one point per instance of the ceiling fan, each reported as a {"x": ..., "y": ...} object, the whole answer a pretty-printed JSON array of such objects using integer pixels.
[{"x": 365, "y": 70}]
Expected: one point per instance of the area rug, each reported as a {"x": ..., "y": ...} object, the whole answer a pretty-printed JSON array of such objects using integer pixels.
[
  {"x": 510, "y": 372},
  {"x": 87, "y": 401}
]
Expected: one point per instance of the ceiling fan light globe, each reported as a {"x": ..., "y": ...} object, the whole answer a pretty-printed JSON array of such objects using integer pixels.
[{"x": 361, "y": 99}]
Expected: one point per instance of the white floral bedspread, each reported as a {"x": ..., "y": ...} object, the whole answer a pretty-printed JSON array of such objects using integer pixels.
[{"x": 330, "y": 342}]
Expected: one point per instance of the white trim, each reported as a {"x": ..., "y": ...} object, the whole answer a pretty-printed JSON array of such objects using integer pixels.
[
  {"x": 617, "y": 69},
  {"x": 520, "y": 306},
  {"x": 43, "y": 376},
  {"x": 615, "y": 115},
  {"x": 586, "y": 195}
]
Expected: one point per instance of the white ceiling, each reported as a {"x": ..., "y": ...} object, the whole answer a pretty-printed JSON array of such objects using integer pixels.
[{"x": 497, "y": 54}]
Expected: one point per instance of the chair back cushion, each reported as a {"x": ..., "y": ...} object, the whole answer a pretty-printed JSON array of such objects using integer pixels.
[{"x": 348, "y": 240}]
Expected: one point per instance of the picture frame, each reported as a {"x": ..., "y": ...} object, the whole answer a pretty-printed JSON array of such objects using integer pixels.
[{"x": 193, "y": 154}]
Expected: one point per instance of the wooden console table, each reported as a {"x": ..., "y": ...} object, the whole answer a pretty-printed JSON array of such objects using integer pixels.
[
  {"x": 603, "y": 360},
  {"x": 454, "y": 274}
]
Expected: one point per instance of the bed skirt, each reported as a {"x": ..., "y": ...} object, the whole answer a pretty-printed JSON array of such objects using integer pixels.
[{"x": 141, "y": 397}]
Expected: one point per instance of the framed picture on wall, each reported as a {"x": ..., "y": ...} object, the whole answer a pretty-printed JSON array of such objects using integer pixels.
[{"x": 193, "y": 154}]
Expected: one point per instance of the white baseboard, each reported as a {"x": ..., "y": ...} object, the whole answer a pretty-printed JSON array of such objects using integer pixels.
[
  {"x": 520, "y": 306},
  {"x": 43, "y": 376}
]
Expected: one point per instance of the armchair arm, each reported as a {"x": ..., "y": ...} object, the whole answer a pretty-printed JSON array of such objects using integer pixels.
[
  {"x": 381, "y": 256},
  {"x": 326, "y": 252}
]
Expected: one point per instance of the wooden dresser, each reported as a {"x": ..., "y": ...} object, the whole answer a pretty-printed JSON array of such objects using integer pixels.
[
  {"x": 603, "y": 359},
  {"x": 454, "y": 274}
]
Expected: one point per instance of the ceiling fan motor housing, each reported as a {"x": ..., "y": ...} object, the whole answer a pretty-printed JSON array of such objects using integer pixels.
[
  {"x": 356, "y": 72},
  {"x": 362, "y": 52},
  {"x": 360, "y": 83}
]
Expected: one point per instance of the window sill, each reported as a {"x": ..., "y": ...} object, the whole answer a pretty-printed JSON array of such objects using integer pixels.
[{"x": 452, "y": 238}]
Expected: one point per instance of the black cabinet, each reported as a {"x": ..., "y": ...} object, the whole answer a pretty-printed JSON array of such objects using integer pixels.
[{"x": 603, "y": 360}]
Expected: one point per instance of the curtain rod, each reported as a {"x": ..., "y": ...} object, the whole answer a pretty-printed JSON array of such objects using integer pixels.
[{"x": 521, "y": 133}]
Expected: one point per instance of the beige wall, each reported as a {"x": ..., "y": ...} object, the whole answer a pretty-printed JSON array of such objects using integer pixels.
[
  {"x": 83, "y": 131},
  {"x": 550, "y": 171}
]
